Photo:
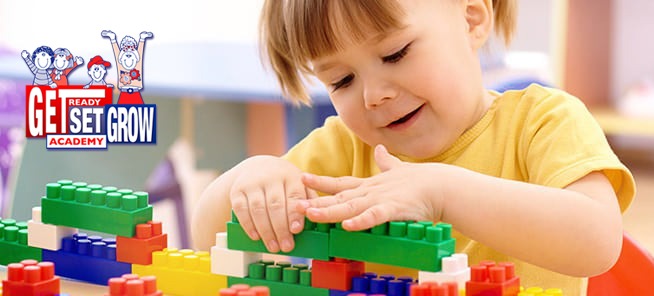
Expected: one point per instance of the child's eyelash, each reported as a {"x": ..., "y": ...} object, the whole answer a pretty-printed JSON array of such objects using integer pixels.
[
  {"x": 343, "y": 82},
  {"x": 396, "y": 57}
]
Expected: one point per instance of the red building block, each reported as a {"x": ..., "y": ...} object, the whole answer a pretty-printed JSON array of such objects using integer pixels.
[
  {"x": 434, "y": 289},
  {"x": 245, "y": 290},
  {"x": 336, "y": 274},
  {"x": 138, "y": 250},
  {"x": 132, "y": 285},
  {"x": 488, "y": 279},
  {"x": 30, "y": 278}
]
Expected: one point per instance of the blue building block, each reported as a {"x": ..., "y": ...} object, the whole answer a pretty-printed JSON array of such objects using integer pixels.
[
  {"x": 87, "y": 258},
  {"x": 370, "y": 284}
]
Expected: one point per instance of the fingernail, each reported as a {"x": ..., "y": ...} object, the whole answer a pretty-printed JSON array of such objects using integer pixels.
[
  {"x": 348, "y": 224},
  {"x": 273, "y": 246},
  {"x": 296, "y": 227},
  {"x": 308, "y": 176},
  {"x": 313, "y": 212},
  {"x": 304, "y": 204},
  {"x": 254, "y": 235},
  {"x": 286, "y": 245}
]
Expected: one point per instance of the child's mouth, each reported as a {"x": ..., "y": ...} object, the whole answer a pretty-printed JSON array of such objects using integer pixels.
[{"x": 405, "y": 118}]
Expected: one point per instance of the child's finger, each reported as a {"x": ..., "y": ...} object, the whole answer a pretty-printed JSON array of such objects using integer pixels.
[
  {"x": 241, "y": 210},
  {"x": 276, "y": 203},
  {"x": 259, "y": 214},
  {"x": 294, "y": 192},
  {"x": 339, "y": 211},
  {"x": 385, "y": 161},
  {"x": 330, "y": 185},
  {"x": 371, "y": 217},
  {"x": 320, "y": 202}
]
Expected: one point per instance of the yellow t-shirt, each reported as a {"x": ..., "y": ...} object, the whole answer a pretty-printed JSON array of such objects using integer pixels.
[{"x": 537, "y": 135}]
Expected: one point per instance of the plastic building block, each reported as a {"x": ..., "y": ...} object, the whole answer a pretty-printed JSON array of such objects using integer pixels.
[
  {"x": 313, "y": 242},
  {"x": 455, "y": 269},
  {"x": 281, "y": 278},
  {"x": 93, "y": 207},
  {"x": 138, "y": 249},
  {"x": 414, "y": 245},
  {"x": 538, "y": 291},
  {"x": 13, "y": 243},
  {"x": 87, "y": 258},
  {"x": 30, "y": 278},
  {"x": 245, "y": 290},
  {"x": 230, "y": 262},
  {"x": 183, "y": 272},
  {"x": 489, "y": 279},
  {"x": 132, "y": 285},
  {"x": 336, "y": 274},
  {"x": 371, "y": 284},
  {"x": 434, "y": 289},
  {"x": 46, "y": 236}
]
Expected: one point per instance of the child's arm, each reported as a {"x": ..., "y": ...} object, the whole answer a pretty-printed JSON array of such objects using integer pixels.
[
  {"x": 262, "y": 190},
  {"x": 575, "y": 231}
]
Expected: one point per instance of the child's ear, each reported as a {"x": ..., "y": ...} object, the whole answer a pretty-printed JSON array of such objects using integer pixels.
[{"x": 479, "y": 15}]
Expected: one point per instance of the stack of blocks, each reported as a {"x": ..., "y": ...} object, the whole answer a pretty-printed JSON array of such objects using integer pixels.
[
  {"x": 140, "y": 247},
  {"x": 338, "y": 258},
  {"x": 69, "y": 206},
  {"x": 52, "y": 234}
]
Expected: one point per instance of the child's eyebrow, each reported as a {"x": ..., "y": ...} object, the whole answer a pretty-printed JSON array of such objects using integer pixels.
[{"x": 323, "y": 67}]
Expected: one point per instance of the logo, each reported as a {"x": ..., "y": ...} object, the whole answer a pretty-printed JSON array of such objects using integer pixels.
[{"x": 84, "y": 116}]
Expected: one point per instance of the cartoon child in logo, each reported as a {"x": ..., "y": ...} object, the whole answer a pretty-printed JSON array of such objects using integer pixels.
[
  {"x": 129, "y": 63},
  {"x": 39, "y": 63},
  {"x": 97, "y": 70},
  {"x": 63, "y": 64}
]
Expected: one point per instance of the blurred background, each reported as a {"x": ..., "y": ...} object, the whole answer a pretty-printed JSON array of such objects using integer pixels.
[{"x": 217, "y": 104}]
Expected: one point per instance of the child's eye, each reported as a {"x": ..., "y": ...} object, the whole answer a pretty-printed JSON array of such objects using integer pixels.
[
  {"x": 396, "y": 57},
  {"x": 343, "y": 82}
]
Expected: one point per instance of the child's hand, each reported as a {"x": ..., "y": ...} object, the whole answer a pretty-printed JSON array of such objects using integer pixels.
[
  {"x": 264, "y": 197},
  {"x": 403, "y": 191}
]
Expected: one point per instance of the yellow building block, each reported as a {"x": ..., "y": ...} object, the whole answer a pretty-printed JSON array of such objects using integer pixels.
[
  {"x": 538, "y": 291},
  {"x": 183, "y": 272}
]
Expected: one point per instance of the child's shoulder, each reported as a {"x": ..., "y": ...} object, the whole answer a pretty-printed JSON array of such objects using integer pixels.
[{"x": 536, "y": 96}]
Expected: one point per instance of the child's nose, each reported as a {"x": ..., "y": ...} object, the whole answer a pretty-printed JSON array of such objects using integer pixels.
[{"x": 376, "y": 92}]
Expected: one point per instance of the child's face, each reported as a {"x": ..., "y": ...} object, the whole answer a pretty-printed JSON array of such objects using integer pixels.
[{"x": 415, "y": 90}]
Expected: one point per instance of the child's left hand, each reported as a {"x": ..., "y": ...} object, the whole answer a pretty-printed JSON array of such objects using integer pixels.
[{"x": 402, "y": 191}]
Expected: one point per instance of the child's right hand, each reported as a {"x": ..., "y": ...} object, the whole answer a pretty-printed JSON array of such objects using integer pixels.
[{"x": 264, "y": 197}]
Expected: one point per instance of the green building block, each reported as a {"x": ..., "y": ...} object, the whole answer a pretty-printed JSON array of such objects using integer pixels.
[
  {"x": 280, "y": 288},
  {"x": 13, "y": 243},
  {"x": 93, "y": 207},
  {"x": 411, "y": 245},
  {"x": 310, "y": 243}
]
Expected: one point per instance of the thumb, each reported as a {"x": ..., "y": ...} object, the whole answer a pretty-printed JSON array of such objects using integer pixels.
[{"x": 385, "y": 160}]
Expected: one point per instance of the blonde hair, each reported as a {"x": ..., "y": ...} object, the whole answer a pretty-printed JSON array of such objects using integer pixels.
[{"x": 293, "y": 32}]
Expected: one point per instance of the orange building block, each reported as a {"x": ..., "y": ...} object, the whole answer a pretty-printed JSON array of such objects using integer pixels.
[
  {"x": 336, "y": 274},
  {"x": 138, "y": 250},
  {"x": 245, "y": 290},
  {"x": 31, "y": 278},
  {"x": 488, "y": 279},
  {"x": 434, "y": 289},
  {"x": 132, "y": 285}
]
